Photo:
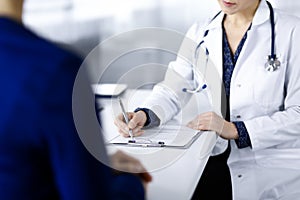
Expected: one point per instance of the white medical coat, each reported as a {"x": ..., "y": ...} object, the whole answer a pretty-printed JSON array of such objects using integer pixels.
[{"x": 267, "y": 102}]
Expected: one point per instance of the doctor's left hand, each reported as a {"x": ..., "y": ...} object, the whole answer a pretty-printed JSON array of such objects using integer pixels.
[{"x": 210, "y": 121}]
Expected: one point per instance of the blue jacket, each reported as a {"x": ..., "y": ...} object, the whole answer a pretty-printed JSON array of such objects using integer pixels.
[{"x": 41, "y": 155}]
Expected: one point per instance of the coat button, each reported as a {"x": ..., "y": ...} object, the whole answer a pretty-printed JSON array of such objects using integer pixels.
[
  {"x": 238, "y": 116},
  {"x": 238, "y": 85},
  {"x": 240, "y": 176}
]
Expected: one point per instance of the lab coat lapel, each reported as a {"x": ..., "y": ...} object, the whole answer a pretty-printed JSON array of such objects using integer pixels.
[
  {"x": 261, "y": 16},
  {"x": 214, "y": 43}
]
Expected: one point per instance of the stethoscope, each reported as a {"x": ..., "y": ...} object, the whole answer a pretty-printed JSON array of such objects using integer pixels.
[{"x": 271, "y": 65}]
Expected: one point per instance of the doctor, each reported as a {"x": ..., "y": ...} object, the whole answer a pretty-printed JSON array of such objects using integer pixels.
[{"x": 256, "y": 48}]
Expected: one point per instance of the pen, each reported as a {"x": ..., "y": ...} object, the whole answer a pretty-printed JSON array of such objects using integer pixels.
[{"x": 125, "y": 117}]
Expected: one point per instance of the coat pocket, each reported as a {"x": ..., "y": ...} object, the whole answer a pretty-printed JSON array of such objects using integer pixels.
[{"x": 268, "y": 90}]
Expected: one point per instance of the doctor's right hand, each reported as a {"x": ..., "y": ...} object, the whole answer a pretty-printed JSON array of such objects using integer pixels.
[{"x": 136, "y": 123}]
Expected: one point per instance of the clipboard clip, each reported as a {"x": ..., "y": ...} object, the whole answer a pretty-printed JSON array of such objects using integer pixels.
[{"x": 146, "y": 143}]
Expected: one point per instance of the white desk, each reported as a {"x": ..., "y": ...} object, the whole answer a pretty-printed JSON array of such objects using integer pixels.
[{"x": 175, "y": 172}]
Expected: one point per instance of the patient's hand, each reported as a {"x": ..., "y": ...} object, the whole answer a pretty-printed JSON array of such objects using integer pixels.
[{"x": 122, "y": 162}]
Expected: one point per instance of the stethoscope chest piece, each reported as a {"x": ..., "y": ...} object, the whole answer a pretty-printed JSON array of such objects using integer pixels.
[{"x": 272, "y": 64}]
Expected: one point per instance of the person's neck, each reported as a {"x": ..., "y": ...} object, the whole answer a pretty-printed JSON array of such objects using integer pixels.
[
  {"x": 12, "y": 9},
  {"x": 243, "y": 17}
]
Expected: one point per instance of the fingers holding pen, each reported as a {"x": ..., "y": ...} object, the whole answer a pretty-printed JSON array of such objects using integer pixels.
[
  {"x": 134, "y": 124},
  {"x": 137, "y": 119},
  {"x": 137, "y": 122},
  {"x": 121, "y": 125}
]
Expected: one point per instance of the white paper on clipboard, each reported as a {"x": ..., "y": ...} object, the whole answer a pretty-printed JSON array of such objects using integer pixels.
[{"x": 172, "y": 136}]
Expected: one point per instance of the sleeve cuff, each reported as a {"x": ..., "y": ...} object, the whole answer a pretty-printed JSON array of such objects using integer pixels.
[{"x": 244, "y": 140}]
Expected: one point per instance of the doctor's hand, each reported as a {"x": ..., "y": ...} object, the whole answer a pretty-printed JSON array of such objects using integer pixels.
[
  {"x": 210, "y": 121},
  {"x": 136, "y": 123}
]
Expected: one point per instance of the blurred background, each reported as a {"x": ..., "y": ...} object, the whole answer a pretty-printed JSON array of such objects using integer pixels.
[{"x": 82, "y": 24}]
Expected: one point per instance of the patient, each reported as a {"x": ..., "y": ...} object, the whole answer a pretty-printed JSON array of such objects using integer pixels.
[{"x": 41, "y": 155}]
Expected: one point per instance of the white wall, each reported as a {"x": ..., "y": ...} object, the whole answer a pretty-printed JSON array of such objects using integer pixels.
[
  {"x": 46, "y": 16},
  {"x": 58, "y": 19},
  {"x": 83, "y": 24},
  {"x": 290, "y": 6}
]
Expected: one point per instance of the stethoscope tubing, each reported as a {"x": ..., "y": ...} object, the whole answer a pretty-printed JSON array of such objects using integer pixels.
[{"x": 272, "y": 64}]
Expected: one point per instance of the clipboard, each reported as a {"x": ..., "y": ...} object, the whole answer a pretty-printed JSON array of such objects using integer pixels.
[{"x": 178, "y": 137}]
